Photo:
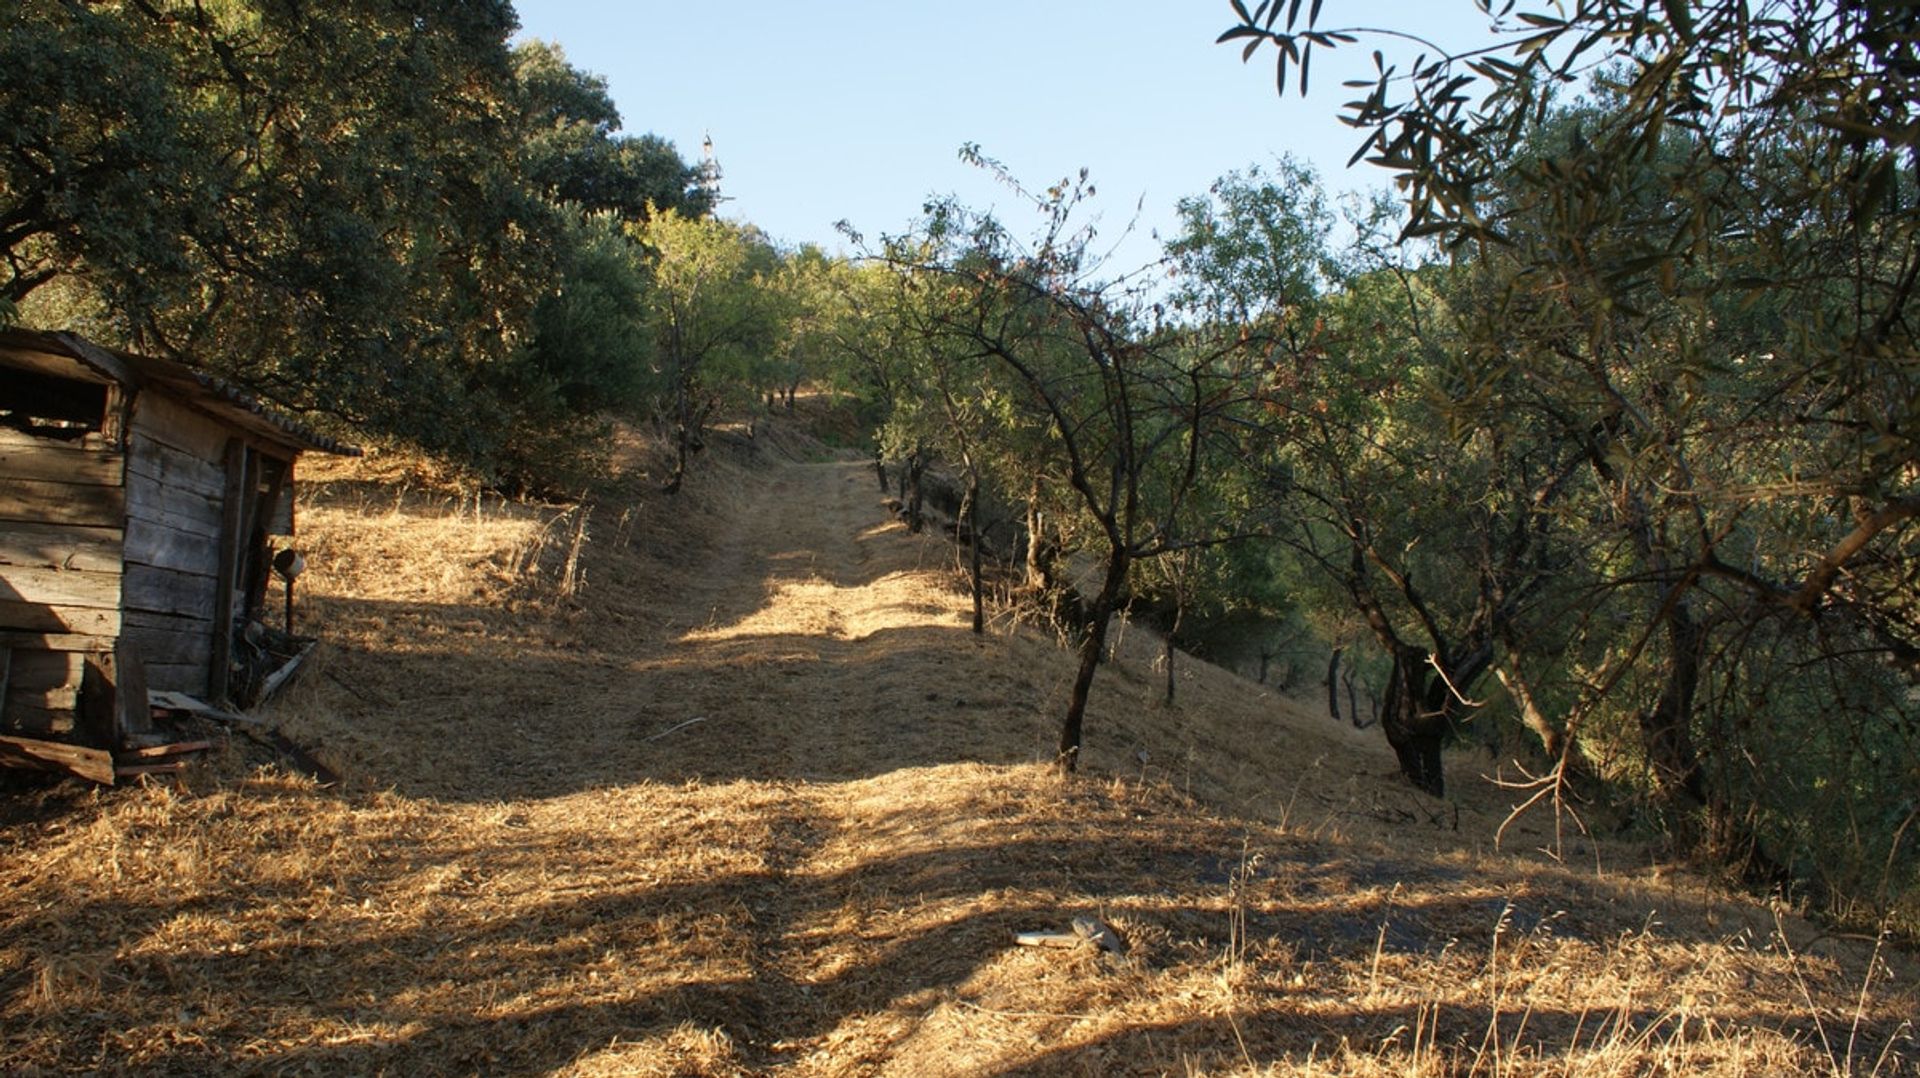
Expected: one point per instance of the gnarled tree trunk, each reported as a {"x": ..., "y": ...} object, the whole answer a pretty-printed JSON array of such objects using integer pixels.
[{"x": 1092, "y": 644}]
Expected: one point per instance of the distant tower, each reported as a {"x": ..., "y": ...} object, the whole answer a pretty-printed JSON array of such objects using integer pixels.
[{"x": 710, "y": 174}]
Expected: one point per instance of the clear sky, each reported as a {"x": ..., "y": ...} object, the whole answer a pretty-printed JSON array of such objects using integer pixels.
[{"x": 856, "y": 109}]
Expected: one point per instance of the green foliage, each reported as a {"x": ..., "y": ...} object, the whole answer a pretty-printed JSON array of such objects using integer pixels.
[
  {"x": 572, "y": 151},
  {"x": 1698, "y": 284},
  {"x": 589, "y": 335},
  {"x": 712, "y": 315},
  {"x": 376, "y": 214}
]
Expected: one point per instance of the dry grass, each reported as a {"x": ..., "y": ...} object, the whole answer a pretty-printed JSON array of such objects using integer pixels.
[{"x": 744, "y": 796}]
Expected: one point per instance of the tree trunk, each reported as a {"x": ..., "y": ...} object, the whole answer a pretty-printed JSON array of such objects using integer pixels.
[
  {"x": 1666, "y": 728},
  {"x": 1333, "y": 684},
  {"x": 1265, "y": 658},
  {"x": 880, "y": 470},
  {"x": 681, "y": 445},
  {"x": 1039, "y": 555},
  {"x": 973, "y": 546},
  {"x": 1179, "y": 612},
  {"x": 1092, "y": 644},
  {"x": 916, "y": 466},
  {"x": 1415, "y": 723}
]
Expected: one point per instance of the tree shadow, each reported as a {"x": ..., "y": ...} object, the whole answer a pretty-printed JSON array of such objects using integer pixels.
[{"x": 491, "y": 970}]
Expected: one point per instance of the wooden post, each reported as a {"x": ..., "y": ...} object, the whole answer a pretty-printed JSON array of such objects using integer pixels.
[
  {"x": 131, "y": 713},
  {"x": 233, "y": 539}
]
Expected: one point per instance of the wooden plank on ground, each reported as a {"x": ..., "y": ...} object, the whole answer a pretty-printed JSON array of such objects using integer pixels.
[
  {"x": 161, "y": 751},
  {"x": 19, "y": 616},
  {"x": 60, "y": 587},
  {"x": 287, "y": 669},
  {"x": 37, "y": 501},
  {"x": 193, "y": 705},
  {"x": 86, "y": 763},
  {"x": 169, "y": 767},
  {"x": 61, "y": 546},
  {"x": 60, "y": 462}
]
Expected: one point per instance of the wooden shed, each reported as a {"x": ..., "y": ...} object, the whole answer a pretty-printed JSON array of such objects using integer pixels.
[{"x": 137, "y": 501}]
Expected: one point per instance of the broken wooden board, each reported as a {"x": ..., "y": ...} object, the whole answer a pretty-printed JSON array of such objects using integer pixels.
[
  {"x": 165, "y": 768},
  {"x": 165, "y": 749},
  {"x": 77, "y": 760},
  {"x": 287, "y": 669},
  {"x": 193, "y": 705},
  {"x": 1086, "y": 930}
]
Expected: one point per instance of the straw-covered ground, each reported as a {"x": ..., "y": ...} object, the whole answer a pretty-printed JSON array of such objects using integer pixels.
[{"x": 722, "y": 785}]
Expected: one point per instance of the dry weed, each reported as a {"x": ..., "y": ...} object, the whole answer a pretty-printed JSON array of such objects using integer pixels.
[{"x": 737, "y": 792}]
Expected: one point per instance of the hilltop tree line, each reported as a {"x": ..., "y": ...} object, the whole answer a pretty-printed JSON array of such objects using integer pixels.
[
  {"x": 380, "y": 213},
  {"x": 1599, "y": 444}
]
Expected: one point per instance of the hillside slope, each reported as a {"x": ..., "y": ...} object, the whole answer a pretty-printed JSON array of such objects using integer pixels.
[{"x": 723, "y": 785}]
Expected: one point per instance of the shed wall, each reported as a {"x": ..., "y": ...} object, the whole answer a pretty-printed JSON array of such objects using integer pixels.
[
  {"x": 175, "y": 493},
  {"x": 61, "y": 515}
]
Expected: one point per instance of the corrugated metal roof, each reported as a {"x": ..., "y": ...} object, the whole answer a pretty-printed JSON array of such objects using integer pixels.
[{"x": 214, "y": 394}]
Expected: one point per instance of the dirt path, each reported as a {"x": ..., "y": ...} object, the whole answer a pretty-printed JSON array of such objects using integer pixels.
[
  {"x": 805, "y": 646},
  {"x": 546, "y": 865}
]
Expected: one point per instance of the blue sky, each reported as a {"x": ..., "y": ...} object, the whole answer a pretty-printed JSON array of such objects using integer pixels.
[{"x": 857, "y": 109}]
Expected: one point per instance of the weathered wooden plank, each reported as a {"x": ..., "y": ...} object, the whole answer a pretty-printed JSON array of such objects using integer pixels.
[
  {"x": 38, "y": 670},
  {"x": 94, "y": 764},
  {"x": 59, "y": 587},
  {"x": 100, "y": 359},
  {"x": 233, "y": 536},
  {"x": 167, "y": 591},
  {"x": 61, "y": 546},
  {"x": 182, "y": 701},
  {"x": 163, "y": 547},
  {"x": 184, "y": 510},
  {"x": 14, "y": 638},
  {"x": 142, "y": 619},
  {"x": 174, "y": 424},
  {"x": 60, "y": 462},
  {"x": 39, "y": 501},
  {"x": 170, "y": 467},
  {"x": 129, "y": 713},
  {"x": 41, "y": 618},
  {"x": 280, "y": 521},
  {"x": 52, "y": 365},
  {"x": 287, "y": 669},
  {"x": 127, "y": 771},
  {"x": 54, "y": 698},
  {"x": 172, "y": 645},
  {"x": 177, "y": 677},
  {"x": 38, "y": 721},
  {"x": 161, "y": 751}
]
